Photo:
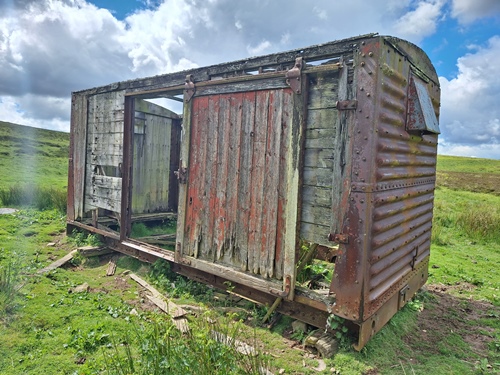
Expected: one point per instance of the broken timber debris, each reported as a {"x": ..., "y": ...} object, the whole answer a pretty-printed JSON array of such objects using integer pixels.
[
  {"x": 58, "y": 263},
  {"x": 174, "y": 311}
]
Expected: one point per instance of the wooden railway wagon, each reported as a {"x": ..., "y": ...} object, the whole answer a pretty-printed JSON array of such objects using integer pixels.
[{"x": 324, "y": 154}]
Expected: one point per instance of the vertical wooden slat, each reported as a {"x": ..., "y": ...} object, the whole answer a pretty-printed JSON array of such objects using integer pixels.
[
  {"x": 222, "y": 166},
  {"x": 233, "y": 178},
  {"x": 183, "y": 188},
  {"x": 77, "y": 153},
  {"x": 257, "y": 180},
  {"x": 282, "y": 186},
  {"x": 269, "y": 214},
  {"x": 246, "y": 157},
  {"x": 128, "y": 148},
  {"x": 210, "y": 193}
]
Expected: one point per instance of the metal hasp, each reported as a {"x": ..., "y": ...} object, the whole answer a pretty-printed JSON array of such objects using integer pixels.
[
  {"x": 293, "y": 75},
  {"x": 271, "y": 155}
]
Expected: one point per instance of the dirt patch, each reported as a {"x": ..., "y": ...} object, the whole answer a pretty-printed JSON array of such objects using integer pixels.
[
  {"x": 475, "y": 182},
  {"x": 449, "y": 315},
  {"x": 7, "y": 211}
]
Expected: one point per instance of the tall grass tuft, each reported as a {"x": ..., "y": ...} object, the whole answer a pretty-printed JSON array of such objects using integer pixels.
[
  {"x": 480, "y": 222},
  {"x": 159, "y": 348},
  {"x": 8, "y": 289},
  {"x": 42, "y": 198}
]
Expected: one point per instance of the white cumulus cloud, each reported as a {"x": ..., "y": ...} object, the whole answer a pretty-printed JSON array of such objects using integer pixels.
[
  {"x": 470, "y": 104},
  {"x": 467, "y": 11}
]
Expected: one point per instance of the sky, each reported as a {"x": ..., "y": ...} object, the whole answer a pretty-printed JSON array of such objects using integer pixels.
[{"x": 50, "y": 48}]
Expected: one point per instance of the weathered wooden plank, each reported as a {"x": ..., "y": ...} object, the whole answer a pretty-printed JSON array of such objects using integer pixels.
[
  {"x": 341, "y": 167},
  {"x": 319, "y": 158},
  {"x": 269, "y": 217},
  {"x": 244, "y": 187},
  {"x": 76, "y": 165},
  {"x": 323, "y": 90},
  {"x": 318, "y": 177},
  {"x": 237, "y": 87},
  {"x": 315, "y": 233},
  {"x": 110, "y": 271},
  {"x": 174, "y": 311},
  {"x": 210, "y": 186},
  {"x": 107, "y": 160},
  {"x": 319, "y": 215},
  {"x": 285, "y": 60},
  {"x": 151, "y": 167},
  {"x": 198, "y": 149},
  {"x": 104, "y": 135},
  {"x": 233, "y": 179},
  {"x": 222, "y": 165},
  {"x": 105, "y": 193},
  {"x": 92, "y": 251},
  {"x": 259, "y": 140},
  {"x": 317, "y": 196},
  {"x": 58, "y": 263},
  {"x": 180, "y": 323},
  {"x": 184, "y": 163}
]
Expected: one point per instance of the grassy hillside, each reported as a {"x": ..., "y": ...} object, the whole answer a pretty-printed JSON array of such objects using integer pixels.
[
  {"x": 452, "y": 328},
  {"x": 470, "y": 174},
  {"x": 33, "y": 156}
]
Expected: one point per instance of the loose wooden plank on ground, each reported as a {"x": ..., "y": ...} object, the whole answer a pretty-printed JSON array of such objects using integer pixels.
[
  {"x": 58, "y": 263},
  {"x": 173, "y": 310},
  {"x": 176, "y": 312},
  {"x": 92, "y": 251}
]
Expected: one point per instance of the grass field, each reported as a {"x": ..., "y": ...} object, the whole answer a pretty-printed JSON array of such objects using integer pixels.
[{"x": 451, "y": 328}]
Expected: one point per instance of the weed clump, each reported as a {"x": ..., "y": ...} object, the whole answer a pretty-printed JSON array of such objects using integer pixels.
[
  {"x": 8, "y": 289},
  {"x": 42, "y": 198},
  {"x": 480, "y": 222},
  {"x": 159, "y": 348}
]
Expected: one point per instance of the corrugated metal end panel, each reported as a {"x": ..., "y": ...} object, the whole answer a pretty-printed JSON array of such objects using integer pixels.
[
  {"x": 403, "y": 196},
  {"x": 237, "y": 180}
]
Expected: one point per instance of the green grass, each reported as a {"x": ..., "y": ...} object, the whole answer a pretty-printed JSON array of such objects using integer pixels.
[
  {"x": 451, "y": 329},
  {"x": 35, "y": 156},
  {"x": 34, "y": 166}
]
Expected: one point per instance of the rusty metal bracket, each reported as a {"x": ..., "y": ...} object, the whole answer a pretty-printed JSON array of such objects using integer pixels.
[
  {"x": 293, "y": 75},
  {"x": 181, "y": 174},
  {"x": 344, "y": 105},
  {"x": 339, "y": 238},
  {"x": 283, "y": 293},
  {"x": 189, "y": 88}
]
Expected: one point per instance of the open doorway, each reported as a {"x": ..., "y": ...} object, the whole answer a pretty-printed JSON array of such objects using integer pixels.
[{"x": 157, "y": 125}]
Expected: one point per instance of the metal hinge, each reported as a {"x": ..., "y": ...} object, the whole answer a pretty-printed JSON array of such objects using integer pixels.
[
  {"x": 189, "y": 88},
  {"x": 344, "y": 105},
  {"x": 338, "y": 237},
  {"x": 293, "y": 75}
]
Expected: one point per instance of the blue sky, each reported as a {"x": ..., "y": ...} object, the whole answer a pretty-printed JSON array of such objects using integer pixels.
[{"x": 49, "y": 48}]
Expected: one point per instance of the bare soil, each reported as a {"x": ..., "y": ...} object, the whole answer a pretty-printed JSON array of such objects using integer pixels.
[{"x": 449, "y": 314}]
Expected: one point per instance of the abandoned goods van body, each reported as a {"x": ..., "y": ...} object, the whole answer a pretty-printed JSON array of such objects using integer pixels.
[{"x": 331, "y": 146}]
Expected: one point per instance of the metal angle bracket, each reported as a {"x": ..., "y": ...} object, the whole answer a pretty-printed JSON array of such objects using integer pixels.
[
  {"x": 344, "y": 105},
  {"x": 189, "y": 88},
  {"x": 339, "y": 238},
  {"x": 293, "y": 75}
]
